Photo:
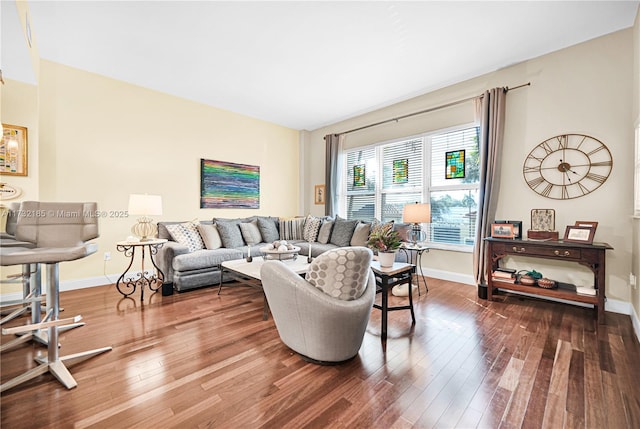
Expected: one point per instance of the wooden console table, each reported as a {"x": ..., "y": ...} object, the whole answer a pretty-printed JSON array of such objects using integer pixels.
[{"x": 590, "y": 255}]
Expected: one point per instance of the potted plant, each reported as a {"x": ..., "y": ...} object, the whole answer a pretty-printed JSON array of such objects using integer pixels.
[{"x": 385, "y": 242}]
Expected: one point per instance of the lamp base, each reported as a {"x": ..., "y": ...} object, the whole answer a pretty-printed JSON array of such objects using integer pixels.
[
  {"x": 416, "y": 234},
  {"x": 145, "y": 229}
]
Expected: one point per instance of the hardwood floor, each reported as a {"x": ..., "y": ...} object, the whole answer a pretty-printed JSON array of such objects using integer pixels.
[{"x": 199, "y": 360}]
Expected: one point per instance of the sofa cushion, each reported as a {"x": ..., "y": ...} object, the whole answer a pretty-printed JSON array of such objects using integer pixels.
[
  {"x": 361, "y": 234},
  {"x": 210, "y": 236},
  {"x": 324, "y": 234},
  {"x": 204, "y": 259},
  {"x": 292, "y": 229},
  {"x": 230, "y": 233},
  {"x": 268, "y": 227},
  {"x": 342, "y": 273},
  {"x": 186, "y": 234},
  {"x": 342, "y": 231},
  {"x": 250, "y": 232},
  {"x": 312, "y": 226}
]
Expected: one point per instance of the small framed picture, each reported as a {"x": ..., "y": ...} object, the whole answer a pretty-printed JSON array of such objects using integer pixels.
[
  {"x": 587, "y": 223},
  {"x": 517, "y": 227},
  {"x": 319, "y": 194},
  {"x": 579, "y": 234},
  {"x": 502, "y": 230},
  {"x": 543, "y": 219}
]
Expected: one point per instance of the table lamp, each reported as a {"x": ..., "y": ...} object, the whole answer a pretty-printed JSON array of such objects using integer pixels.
[
  {"x": 416, "y": 214},
  {"x": 145, "y": 205}
]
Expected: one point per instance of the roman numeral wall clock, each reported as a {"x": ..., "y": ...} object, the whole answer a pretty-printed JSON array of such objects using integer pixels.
[{"x": 567, "y": 166}]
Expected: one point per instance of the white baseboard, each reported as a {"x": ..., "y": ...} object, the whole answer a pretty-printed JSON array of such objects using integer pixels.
[
  {"x": 636, "y": 322},
  {"x": 449, "y": 276},
  {"x": 67, "y": 286}
]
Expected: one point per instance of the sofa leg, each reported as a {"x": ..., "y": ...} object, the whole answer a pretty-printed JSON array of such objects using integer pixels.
[{"x": 167, "y": 289}]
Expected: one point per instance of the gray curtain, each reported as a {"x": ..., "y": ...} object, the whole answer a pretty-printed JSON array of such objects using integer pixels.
[
  {"x": 492, "y": 110},
  {"x": 331, "y": 174}
]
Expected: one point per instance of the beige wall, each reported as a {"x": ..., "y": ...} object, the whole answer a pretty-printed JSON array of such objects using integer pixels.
[
  {"x": 582, "y": 89},
  {"x": 102, "y": 139}
]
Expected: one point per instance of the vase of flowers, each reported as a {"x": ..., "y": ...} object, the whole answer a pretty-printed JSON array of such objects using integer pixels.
[{"x": 385, "y": 243}]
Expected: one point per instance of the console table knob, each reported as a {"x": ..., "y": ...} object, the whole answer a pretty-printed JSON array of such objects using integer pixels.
[
  {"x": 566, "y": 253},
  {"x": 521, "y": 250}
]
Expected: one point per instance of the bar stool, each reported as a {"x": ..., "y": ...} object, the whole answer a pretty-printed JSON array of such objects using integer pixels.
[
  {"x": 29, "y": 277},
  {"x": 60, "y": 232}
]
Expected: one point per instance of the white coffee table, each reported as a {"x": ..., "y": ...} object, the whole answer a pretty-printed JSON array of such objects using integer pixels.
[{"x": 248, "y": 273}]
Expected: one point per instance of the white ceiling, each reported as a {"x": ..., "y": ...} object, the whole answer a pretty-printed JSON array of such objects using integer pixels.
[{"x": 300, "y": 64}]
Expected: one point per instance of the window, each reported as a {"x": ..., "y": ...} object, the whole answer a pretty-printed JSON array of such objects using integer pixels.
[{"x": 382, "y": 179}]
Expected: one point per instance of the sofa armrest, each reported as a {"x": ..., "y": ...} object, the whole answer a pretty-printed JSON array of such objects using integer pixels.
[{"x": 165, "y": 255}]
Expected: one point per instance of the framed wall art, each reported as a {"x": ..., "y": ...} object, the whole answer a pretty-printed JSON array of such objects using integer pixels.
[
  {"x": 225, "y": 185},
  {"x": 359, "y": 175},
  {"x": 318, "y": 194},
  {"x": 454, "y": 164},
  {"x": 13, "y": 151},
  {"x": 401, "y": 171}
]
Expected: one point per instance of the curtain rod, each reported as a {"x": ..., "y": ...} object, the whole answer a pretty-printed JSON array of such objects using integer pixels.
[{"x": 431, "y": 109}]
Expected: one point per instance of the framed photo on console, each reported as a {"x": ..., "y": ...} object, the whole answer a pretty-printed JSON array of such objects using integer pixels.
[
  {"x": 517, "y": 227},
  {"x": 502, "y": 230},
  {"x": 579, "y": 234},
  {"x": 588, "y": 224}
]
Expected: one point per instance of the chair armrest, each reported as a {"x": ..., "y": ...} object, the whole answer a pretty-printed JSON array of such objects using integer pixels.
[{"x": 165, "y": 255}]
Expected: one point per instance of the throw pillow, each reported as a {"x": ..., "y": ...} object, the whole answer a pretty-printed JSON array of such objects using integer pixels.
[
  {"x": 311, "y": 228},
  {"x": 404, "y": 229},
  {"x": 210, "y": 236},
  {"x": 250, "y": 232},
  {"x": 268, "y": 227},
  {"x": 186, "y": 234},
  {"x": 230, "y": 234},
  {"x": 292, "y": 229},
  {"x": 342, "y": 231},
  {"x": 340, "y": 273},
  {"x": 325, "y": 232},
  {"x": 361, "y": 234},
  {"x": 378, "y": 226}
]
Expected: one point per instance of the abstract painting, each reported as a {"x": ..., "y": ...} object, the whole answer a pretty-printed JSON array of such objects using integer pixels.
[{"x": 225, "y": 185}]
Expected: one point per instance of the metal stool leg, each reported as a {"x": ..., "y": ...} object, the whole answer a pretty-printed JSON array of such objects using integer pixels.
[{"x": 53, "y": 363}]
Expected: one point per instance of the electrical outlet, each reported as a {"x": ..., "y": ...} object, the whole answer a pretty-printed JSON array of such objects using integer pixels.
[
  {"x": 107, "y": 256},
  {"x": 633, "y": 281}
]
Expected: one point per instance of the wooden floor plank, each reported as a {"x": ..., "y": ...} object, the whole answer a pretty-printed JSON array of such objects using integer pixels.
[{"x": 201, "y": 360}]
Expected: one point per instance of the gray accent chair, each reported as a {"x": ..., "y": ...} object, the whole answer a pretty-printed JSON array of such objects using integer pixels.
[{"x": 324, "y": 322}]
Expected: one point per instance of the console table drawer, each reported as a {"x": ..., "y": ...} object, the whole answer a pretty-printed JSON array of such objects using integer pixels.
[{"x": 547, "y": 252}]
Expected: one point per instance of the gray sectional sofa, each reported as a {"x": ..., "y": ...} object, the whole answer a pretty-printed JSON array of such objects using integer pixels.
[{"x": 192, "y": 256}]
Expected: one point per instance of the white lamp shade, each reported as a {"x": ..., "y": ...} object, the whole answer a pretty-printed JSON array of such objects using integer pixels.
[
  {"x": 145, "y": 205},
  {"x": 416, "y": 213}
]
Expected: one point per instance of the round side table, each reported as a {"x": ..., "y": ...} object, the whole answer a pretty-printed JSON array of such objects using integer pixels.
[{"x": 127, "y": 285}]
